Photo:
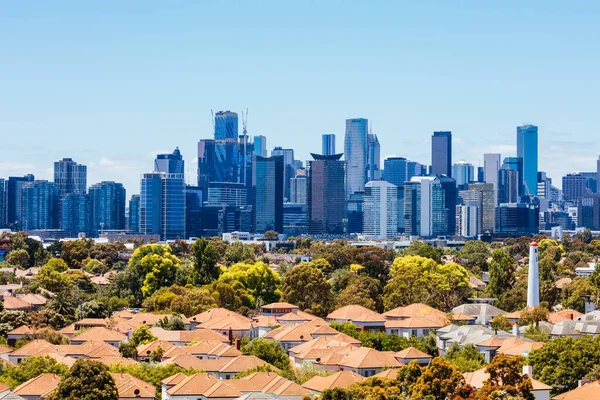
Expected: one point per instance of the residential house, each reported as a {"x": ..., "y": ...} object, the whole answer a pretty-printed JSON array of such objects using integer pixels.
[
  {"x": 411, "y": 354},
  {"x": 295, "y": 334},
  {"x": 39, "y": 387},
  {"x": 362, "y": 317},
  {"x": 540, "y": 390},
  {"x": 198, "y": 386},
  {"x": 586, "y": 391},
  {"x": 341, "y": 379},
  {"x": 130, "y": 387},
  {"x": 99, "y": 334},
  {"x": 361, "y": 360},
  {"x": 484, "y": 313},
  {"x": 182, "y": 338},
  {"x": 278, "y": 309}
]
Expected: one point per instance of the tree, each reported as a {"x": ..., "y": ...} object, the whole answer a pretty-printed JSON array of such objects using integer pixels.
[
  {"x": 65, "y": 303},
  {"x": 172, "y": 323},
  {"x": 467, "y": 358},
  {"x": 268, "y": 351},
  {"x": 362, "y": 290},
  {"x": 374, "y": 260},
  {"x": 52, "y": 275},
  {"x": 533, "y": 315},
  {"x": 238, "y": 252},
  {"x": 439, "y": 381},
  {"x": 142, "y": 335},
  {"x": 76, "y": 252},
  {"x": 505, "y": 376},
  {"x": 18, "y": 258},
  {"x": 258, "y": 279},
  {"x": 574, "y": 294},
  {"x": 501, "y": 323},
  {"x": 473, "y": 256},
  {"x": 502, "y": 273},
  {"x": 271, "y": 235},
  {"x": 92, "y": 309},
  {"x": 422, "y": 249},
  {"x": 29, "y": 368},
  {"x": 87, "y": 380},
  {"x": 306, "y": 287},
  {"x": 408, "y": 376},
  {"x": 151, "y": 372},
  {"x": 232, "y": 296},
  {"x": 205, "y": 268}
]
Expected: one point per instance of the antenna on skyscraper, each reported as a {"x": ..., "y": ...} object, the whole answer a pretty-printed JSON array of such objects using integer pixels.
[
  {"x": 212, "y": 121},
  {"x": 245, "y": 135}
]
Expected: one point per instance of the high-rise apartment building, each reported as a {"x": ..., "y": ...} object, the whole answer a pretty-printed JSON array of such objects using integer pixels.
[
  {"x": 355, "y": 154},
  {"x": 373, "y": 158},
  {"x": 295, "y": 218},
  {"x": 226, "y": 125},
  {"x": 380, "y": 210},
  {"x": 13, "y": 199},
  {"x": 40, "y": 202},
  {"x": 598, "y": 175},
  {"x": 134, "y": 214},
  {"x": 467, "y": 220},
  {"x": 75, "y": 215},
  {"x": 591, "y": 181},
  {"x": 260, "y": 146},
  {"x": 194, "y": 226},
  {"x": 517, "y": 219},
  {"x": 483, "y": 195},
  {"x": 588, "y": 212},
  {"x": 507, "y": 186},
  {"x": 425, "y": 213},
  {"x": 441, "y": 153},
  {"x": 328, "y": 144},
  {"x": 491, "y": 166},
  {"x": 463, "y": 172},
  {"x": 515, "y": 164},
  {"x": 107, "y": 204},
  {"x": 267, "y": 191},
  {"x": 171, "y": 163},
  {"x": 527, "y": 150},
  {"x": 326, "y": 196},
  {"x": 573, "y": 187},
  {"x": 70, "y": 177}
]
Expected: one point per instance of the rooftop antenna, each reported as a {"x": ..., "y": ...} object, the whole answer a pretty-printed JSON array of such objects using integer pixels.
[
  {"x": 212, "y": 121},
  {"x": 245, "y": 135}
]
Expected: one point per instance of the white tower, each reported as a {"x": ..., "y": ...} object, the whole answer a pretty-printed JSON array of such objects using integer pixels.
[{"x": 533, "y": 281}]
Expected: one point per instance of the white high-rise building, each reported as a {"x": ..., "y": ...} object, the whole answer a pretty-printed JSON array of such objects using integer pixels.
[
  {"x": 491, "y": 166},
  {"x": 380, "y": 210},
  {"x": 467, "y": 220}
]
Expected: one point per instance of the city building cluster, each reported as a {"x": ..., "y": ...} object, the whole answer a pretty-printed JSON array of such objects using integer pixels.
[{"x": 338, "y": 193}]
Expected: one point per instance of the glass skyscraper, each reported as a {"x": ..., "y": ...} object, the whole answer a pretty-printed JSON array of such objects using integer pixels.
[
  {"x": 373, "y": 158},
  {"x": 70, "y": 177},
  {"x": 380, "y": 210},
  {"x": 516, "y": 164},
  {"x": 463, "y": 172},
  {"x": 508, "y": 186},
  {"x": 425, "y": 211},
  {"x": 107, "y": 203},
  {"x": 299, "y": 189},
  {"x": 169, "y": 163},
  {"x": 193, "y": 211},
  {"x": 226, "y": 125},
  {"x": 355, "y": 153},
  {"x": 2, "y": 203},
  {"x": 267, "y": 190},
  {"x": 527, "y": 150},
  {"x": 441, "y": 153},
  {"x": 75, "y": 216},
  {"x": 134, "y": 214},
  {"x": 260, "y": 146},
  {"x": 326, "y": 197},
  {"x": 328, "y": 144},
  {"x": 289, "y": 170},
  {"x": 227, "y": 193},
  {"x": 151, "y": 203},
  {"x": 13, "y": 199},
  {"x": 40, "y": 203}
]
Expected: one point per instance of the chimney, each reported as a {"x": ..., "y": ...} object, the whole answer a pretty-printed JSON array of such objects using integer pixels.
[
  {"x": 238, "y": 344},
  {"x": 533, "y": 278},
  {"x": 582, "y": 382},
  {"x": 528, "y": 370},
  {"x": 230, "y": 335},
  {"x": 570, "y": 316}
]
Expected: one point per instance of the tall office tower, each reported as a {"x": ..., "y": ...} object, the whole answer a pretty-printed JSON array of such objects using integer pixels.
[
  {"x": 573, "y": 187},
  {"x": 450, "y": 199},
  {"x": 260, "y": 146},
  {"x": 326, "y": 194},
  {"x": 70, "y": 177},
  {"x": 467, "y": 220},
  {"x": 491, "y": 166},
  {"x": 107, "y": 203},
  {"x": 355, "y": 213},
  {"x": 227, "y": 193},
  {"x": 373, "y": 158},
  {"x": 206, "y": 162},
  {"x": 2, "y": 203},
  {"x": 588, "y": 212},
  {"x": 151, "y": 203},
  {"x": 441, "y": 153},
  {"x": 13, "y": 199},
  {"x": 75, "y": 216},
  {"x": 170, "y": 163},
  {"x": 267, "y": 192},
  {"x": 544, "y": 186},
  {"x": 193, "y": 211},
  {"x": 598, "y": 174},
  {"x": 591, "y": 181},
  {"x": 380, "y": 210},
  {"x": 226, "y": 125},
  {"x": 517, "y": 219},
  {"x": 134, "y": 214},
  {"x": 508, "y": 186},
  {"x": 396, "y": 172},
  {"x": 516, "y": 164},
  {"x": 328, "y": 140},
  {"x": 533, "y": 277},
  {"x": 424, "y": 211},
  {"x": 414, "y": 168},
  {"x": 246, "y": 148},
  {"x": 295, "y": 218},
  {"x": 289, "y": 170},
  {"x": 481, "y": 194},
  {"x": 527, "y": 149},
  {"x": 299, "y": 189},
  {"x": 355, "y": 153},
  {"x": 40, "y": 202},
  {"x": 463, "y": 172}
]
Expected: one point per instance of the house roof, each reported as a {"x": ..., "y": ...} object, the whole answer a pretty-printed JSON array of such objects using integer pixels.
[
  {"x": 15, "y": 303},
  {"x": 390, "y": 373},
  {"x": 477, "y": 310},
  {"x": 340, "y": 379},
  {"x": 280, "y": 305},
  {"x": 363, "y": 357},
  {"x": 462, "y": 317},
  {"x": 477, "y": 378},
  {"x": 265, "y": 321},
  {"x": 417, "y": 322},
  {"x": 413, "y": 310},
  {"x": 42, "y": 385},
  {"x": 233, "y": 322},
  {"x": 515, "y": 346},
  {"x": 302, "y": 332},
  {"x": 324, "y": 342},
  {"x": 129, "y": 386},
  {"x": 356, "y": 313},
  {"x": 100, "y": 333},
  {"x": 22, "y": 330},
  {"x": 204, "y": 385},
  {"x": 4, "y": 349},
  {"x": 216, "y": 313},
  {"x": 35, "y": 347},
  {"x": 33, "y": 299},
  {"x": 563, "y": 315},
  {"x": 588, "y": 391},
  {"x": 296, "y": 316},
  {"x": 491, "y": 342},
  {"x": 411, "y": 353},
  {"x": 144, "y": 350},
  {"x": 116, "y": 360},
  {"x": 187, "y": 336}
]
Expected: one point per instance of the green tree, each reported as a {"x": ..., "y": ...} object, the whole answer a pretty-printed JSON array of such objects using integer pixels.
[
  {"x": 574, "y": 294},
  {"x": 92, "y": 309},
  {"x": 362, "y": 290},
  {"x": 18, "y": 258},
  {"x": 205, "y": 268},
  {"x": 306, "y": 287},
  {"x": 29, "y": 368},
  {"x": 87, "y": 380},
  {"x": 501, "y": 323},
  {"x": 422, "y": 249},
  {"x": 232, "y": 296},
  {"x": 467, "y": 358},
  {"x": 52, "y": 275},
  {"x": 258, "y": 279},
  {"x": 268, "y": 351},
  {"x": 151, "y": 372},
  {"x": 142, "y": 335},
  {"x": 474, "y": 255},
  {"x": 238, "y": 252},
  {"x": 440, "y": 380},
  {"x": 172, "y": 323},
  {"x": 76, "y": 252},
  {"x": 408, "y": 376},
  {"x": 533, "y": 315},
  {"x": 271, "y": 235},
  {"x": 502, "y": 273}
]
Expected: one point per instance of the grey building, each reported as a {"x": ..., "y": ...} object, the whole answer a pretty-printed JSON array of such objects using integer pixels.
[
  {"x": 267, "y": 191},
  {"x": 574, "y": 187},
  {"x": 441, "y": 153},
  {"x": 70, "y": 177}
]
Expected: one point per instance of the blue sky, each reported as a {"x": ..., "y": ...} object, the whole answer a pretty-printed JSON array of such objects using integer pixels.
[{"x": 112, "y": 83}]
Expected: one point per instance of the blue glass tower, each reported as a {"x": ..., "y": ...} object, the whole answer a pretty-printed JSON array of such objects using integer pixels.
[
  {"x": 70, "y": 177},
  {"x": 13, "y": 199},
  {"x": 134, "y": 214},
  {"x": 267, "y": 189},
  {"x": 226, "y": 125},
  {"x": 107, "y": 201},
  {"x": 260, "y": 146},
  {"x": 75, "y": 218},
  {"x": 441, "y": 153},
  {"x": 40, "y": 205},
  {"x": 151, "y": 203},
  {"x": 2, "y": 203},
  {"x": 355, "y": 153},
  {"x": 516, "y": 164},
  {"x": 328, "y": 144},
  {"x": 373, "y": 158},
  {"x": 527, "y": 150}
]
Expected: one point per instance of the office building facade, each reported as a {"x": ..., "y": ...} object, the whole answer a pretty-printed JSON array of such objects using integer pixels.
[
  {"x": 356, "y": 154},
  {"x": 267, "y": 190},
  {"x": 527, "y": 150},
  {"x": 299, "y": 189},
  {"x": 517, "y": 219},
  {"x": 574, "y": 187},
  {"x": 467, "y": 220},
  {"x": 227, "y": 193},
  {"x": 260, "y": 145},
  {"x": 463, "y": 172},
  {"x": 134, "y": 214},
  {"x": 75, "y": 215},
  {"x": 40, "y": 202},
  {"x": 441, "y": 153},
  {"x": 13, "y": 199},
  {"x": 491, "y": 166},
  {"x": 507, "y": 186},
  {"x": 326, "y": 194},
  {"x": 226, "y": 125},
  {"x": 107, "y": 205},
  {"x": 588, "y": 212},
  {"x": 373, "y": 158},
  {"x": 380, "y": 210},
  {"x": 70, "y": 177},
  {"x": 425, "y": 213},
  {"x": 3, "y": 223},
  {"x": 328, "y": 144}
]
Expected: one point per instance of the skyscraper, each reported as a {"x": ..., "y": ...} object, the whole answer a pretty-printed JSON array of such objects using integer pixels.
[
  {"x": 441, "y": 153},
  {"x": 517, "y": 219},
  {"x": 227, "y": 193},
  {"x": 467, "y": 220},
  {"x": 373, "y": 158},
  {"x": 75, "y": 215},
  {"x": 463, "y": 172},
  {"x": 328, "y": 140},
  {"x": 13, "y": 199},
  {"x": 299, "y": 189},
  {"x": 169, "y": 163},
  {"x": 289, "y": 169},
  {"x": 134, "y": 214},
  {"x": 267, "y": 191},
  {"x": 2, "y": 203},
  {"x": 533, "y": 277},
  {"x": 151, "y": 203},
  {"x": 107, "y": 204},
  {"x": 491, "y": 166},
  {"x": 573, "y": 186},
  {"x": 226, "y": 125},
  {"x": 193, "y": 211},
  {"x": 598, "y": 175},
  {"x": 395, "y": 171},
  {"x": 507, "y": 186},
  {"x": 527, "y": 149},
  {"x": 380, "y": 210},
  {"x": 482, "y": 195},
  {"x": 260, "y": 146},
  {"x": 326, "y": 195},
  {"x": 70, "y": 177},
  {"x": 355, "y": 153},
  {"x": 425, "y": 211},
  {"x": 39, "y": 205},
  {"x": 516, "y": 164}
]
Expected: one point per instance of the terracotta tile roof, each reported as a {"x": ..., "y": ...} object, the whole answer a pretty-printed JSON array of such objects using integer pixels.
[
  {"x": 34, "y": 348},
  {"x": 203, "y": 348},
  {"x": 42, "y": 385},
  {"x": 242, "y": 363},
  {"x": 14, "y": 303},
  {"x": 323, "y": 342},
  {"x": 411, "y": 353},
  {"x": 413, "y": 310},
  {"x": 174, "y": 379},
  {"x": 265, "y": 321},
  {"x": 491, "y": 342},
  {"x": 216, "y": 313},
  {"x": 33, "y": 299},
  {"x": 144, "y": 350},
  {"x": 150, "y": 319},
  {"x": 417, "y": 322},
  {"x": 364, "y": 357},
  {"x": 68, "y": 361},
  {"x": 130, "y": 387},
  {"x": 563, "y": 315},
  {"x": 204, "y": 385},
  {"x": 302, "y": 332},
  {"x": 116, "y": 360},
  {"x": 586, "y": 392},
  {"x": 356, "y": 313},
  {"x": 90, "y": 349},
  {"x": 477, "y": 378},
  {"x": 513, "y": 315},
  {"x": 92, "y": 322},
  {"x": 124, "y": 314},
  {"x": 68, "y": 330},
  {"x": 4, "y": 349},
  {"x": 340, "y": 379},
  {"x": 279, "y": 306},
  {"x": 270, "y": 382},
  {"x": 22, "y": 330},
  {"x": 233, "y": 322},
  {"x": 187, "y": 361},
  {"x": 516, "y": 346},
  {"x": 297, "y": 316},
  {"x": 561, "y": 283},
  {"x": 391, "y": 373},
  {"x": 100, "y": 333},
  {"x": 187, "y": 336}
]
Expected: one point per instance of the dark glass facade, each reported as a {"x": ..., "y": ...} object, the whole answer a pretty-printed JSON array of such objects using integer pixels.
[
  {"x": 13, "y": 199},
  {"x": 193, "y": 211},
  {"x": 517, "y": 219},
  {"x": 107, "y": 203},
  {"x": 588, "y": 212},
  {"x": 134, "y": 214},
  {"x": 527, "y": 150},
  {"x": 326, "y": 195},
  {"x": 226, "y": 125},
  {"x": 75, "y": 218},
  {"x": 441, "y": 153},
  {"x": 40, "y": 204},
  {"x": 70, "y": 177},
  {"x": 267, "y": 193}
]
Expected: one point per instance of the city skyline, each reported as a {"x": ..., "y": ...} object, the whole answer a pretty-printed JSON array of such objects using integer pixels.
[{"x": 115, "y": 107}]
